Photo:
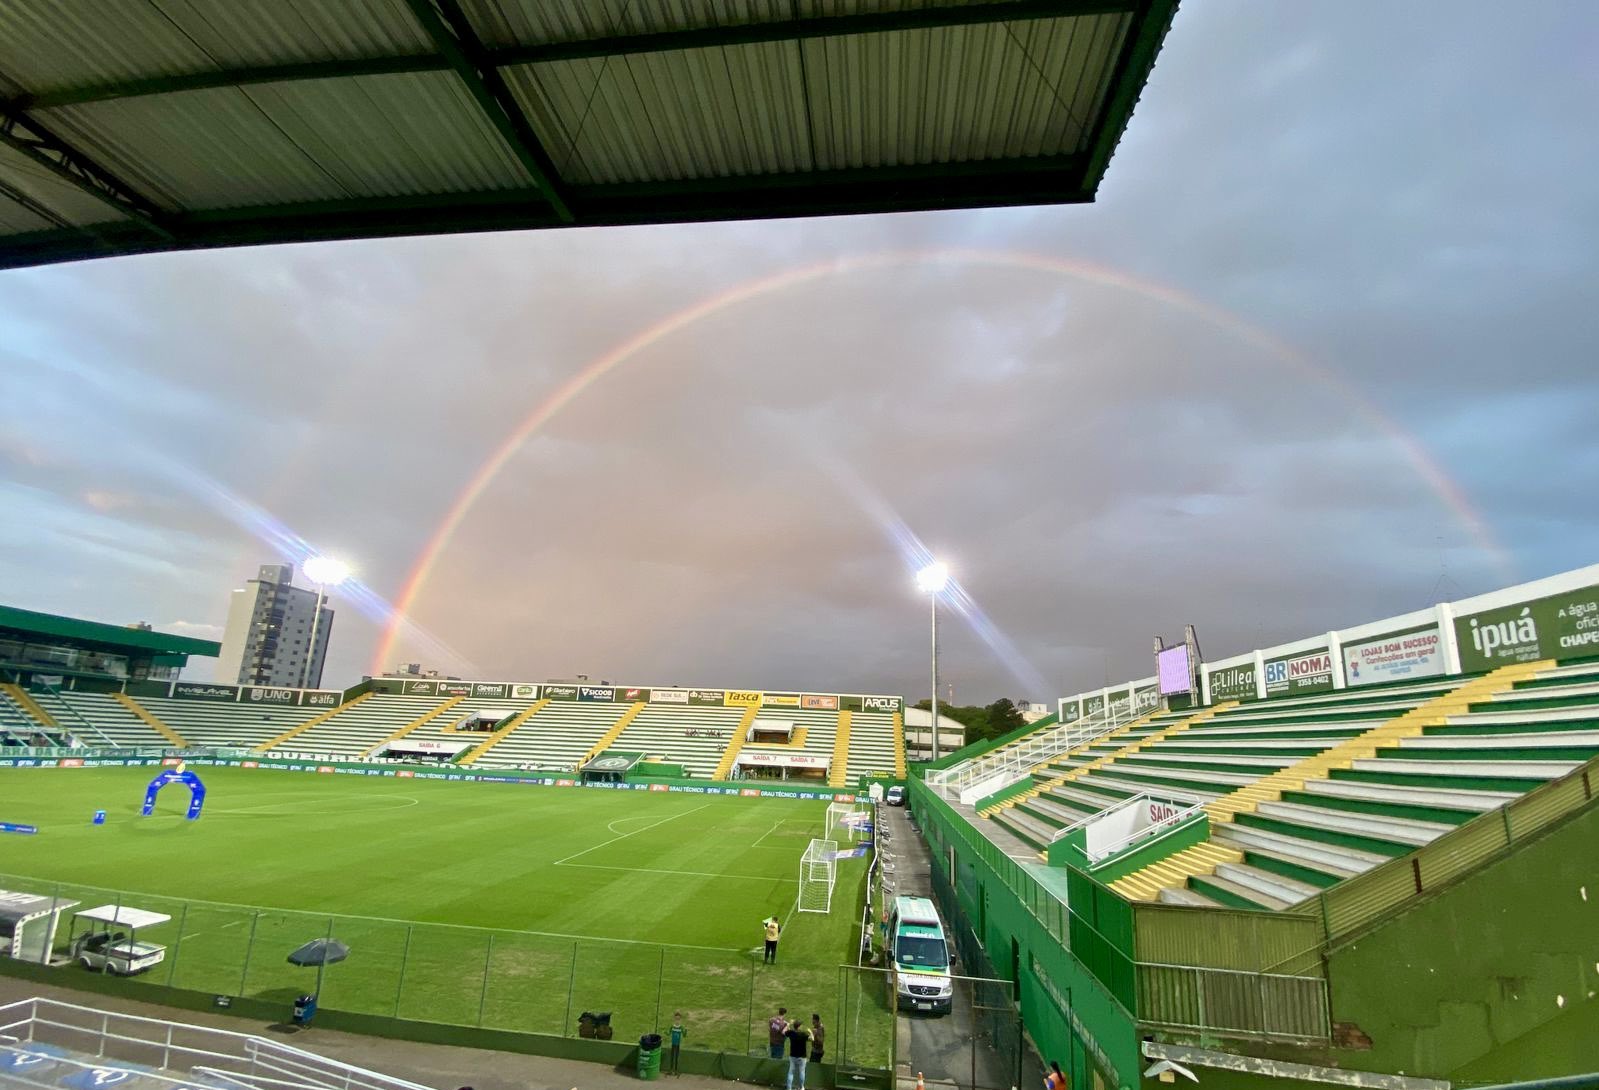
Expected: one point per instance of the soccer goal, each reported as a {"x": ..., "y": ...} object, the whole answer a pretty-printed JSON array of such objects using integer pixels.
[
  {"x": 817, "y": 871},
  {"x": 845, "y": 822}
]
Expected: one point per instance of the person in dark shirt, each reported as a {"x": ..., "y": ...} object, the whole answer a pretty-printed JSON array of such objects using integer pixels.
[
  {"x": 818, "y": 1035},
  {"x": 797, "y": 1040}
]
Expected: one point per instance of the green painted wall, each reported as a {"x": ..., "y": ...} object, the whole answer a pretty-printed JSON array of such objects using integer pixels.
[
  {"x": 1028, "y": 933},
  {"x": 1443, "y": 987}
]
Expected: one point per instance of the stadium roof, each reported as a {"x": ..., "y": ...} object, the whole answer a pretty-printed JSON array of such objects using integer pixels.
[
  {"x": 52, "y": 626},
  {"x": 129, "y": 126}
]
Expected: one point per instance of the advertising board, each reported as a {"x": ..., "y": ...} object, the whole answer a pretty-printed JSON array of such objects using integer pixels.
[{"x": 1394, "y": 656}]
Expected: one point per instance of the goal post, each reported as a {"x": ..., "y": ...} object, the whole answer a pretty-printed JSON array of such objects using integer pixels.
[
  {"x": 817, "y": 872},
  {"x": 844, "y": 821}
]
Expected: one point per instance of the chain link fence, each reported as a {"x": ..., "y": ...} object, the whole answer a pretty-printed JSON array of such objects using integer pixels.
[{"x": 521, "y": 981}]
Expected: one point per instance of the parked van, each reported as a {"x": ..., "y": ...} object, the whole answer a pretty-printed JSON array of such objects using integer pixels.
[{"x": 920, "y": 955}]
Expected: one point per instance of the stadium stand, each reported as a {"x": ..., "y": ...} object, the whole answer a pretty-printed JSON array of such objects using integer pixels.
[
  {"x": 556, "y": 738},
  {"x": 876, "y": 745},
  {"x": 1305, "y": 792},
  {"x": 227, "y": 726},
  {"x": 98, "y": 719},
  {"x": 358, "y": 726},
  {"x": 693, "y": 737},
  {"x": 446, "y": 727},
  {"x": 815, "y": 736}
]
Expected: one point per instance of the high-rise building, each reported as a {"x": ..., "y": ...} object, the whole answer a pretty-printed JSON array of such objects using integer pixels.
[{"x": 268, "y": 637}]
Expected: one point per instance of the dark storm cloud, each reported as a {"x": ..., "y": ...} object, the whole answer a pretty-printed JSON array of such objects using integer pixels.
[{"x": 721, "y": 509}]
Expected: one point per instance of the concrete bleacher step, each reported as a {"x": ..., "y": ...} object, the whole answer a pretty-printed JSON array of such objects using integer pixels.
[
  {"x": 1182, "y": 895},
  {"x": 1334, "y": 859},
  {"x": 1468, "y": 769},
  {"x": 1049, "y": 812},
  {"x": 1441, "y": 798},
  {"x": 1577, "y": 742},
  {"x": 1131, "y": 786},
  {"x": 1231, "y": 894},
  {"x": 1394, "y": 830},
  {"x": 1271, "y": 889},
  {"x": 1026, "y": 829},
  {"x": 1217, "y": 762}
]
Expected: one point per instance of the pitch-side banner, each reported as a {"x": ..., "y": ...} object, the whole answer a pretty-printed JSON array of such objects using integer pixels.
[
  {"x": 1396, "y": 656},
  {"x": 1561, "y": 626},
  {"x": 1310, "y": 672}
]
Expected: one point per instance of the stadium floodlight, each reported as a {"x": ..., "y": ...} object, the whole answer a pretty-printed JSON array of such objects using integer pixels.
[
  {"x": 932, "y": 580},
  {"x": 818, "y": 870},
  {"x": 325, "y": 572}
]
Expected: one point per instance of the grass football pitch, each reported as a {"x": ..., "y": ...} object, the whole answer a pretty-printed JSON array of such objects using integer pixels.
[{"x": 498, "y": 905}]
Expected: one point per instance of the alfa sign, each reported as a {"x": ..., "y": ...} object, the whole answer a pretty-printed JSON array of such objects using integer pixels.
[
  {"x": 1307, "y": 673},
  {"x": 1415, "y": 652},
  {"x": 1562, "y": 626}
]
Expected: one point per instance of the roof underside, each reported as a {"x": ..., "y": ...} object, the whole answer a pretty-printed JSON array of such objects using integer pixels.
[
  {"x": 28, "y": 625},
  {"x": 135, "y": 125}
]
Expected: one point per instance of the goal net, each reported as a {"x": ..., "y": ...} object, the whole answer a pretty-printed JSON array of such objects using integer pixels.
[
  {"x": 817, "y": 871},
  {"x": 844, "y": 821}
]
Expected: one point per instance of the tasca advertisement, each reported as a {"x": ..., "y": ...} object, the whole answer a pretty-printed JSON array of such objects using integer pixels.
[
  {"x": 1396, "y": 656},
  {"x": 1562, "y": 626},
  {"x": 1311, "y": 672}
]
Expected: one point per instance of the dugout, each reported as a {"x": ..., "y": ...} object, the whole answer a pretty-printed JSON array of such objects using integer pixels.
[
  {"x": 609, "y": 767},
  {"x": 28, "y": 925}
]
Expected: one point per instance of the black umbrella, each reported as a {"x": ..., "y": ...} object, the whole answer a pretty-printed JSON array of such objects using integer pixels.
[{"x": 320, "y": 952}]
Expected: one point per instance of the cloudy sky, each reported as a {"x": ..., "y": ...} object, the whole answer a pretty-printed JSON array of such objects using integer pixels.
[{"x": 1323, "y": 351}]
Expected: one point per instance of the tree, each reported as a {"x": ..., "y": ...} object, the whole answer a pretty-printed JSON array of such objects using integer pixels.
[{"x": 1002, "y": 717}]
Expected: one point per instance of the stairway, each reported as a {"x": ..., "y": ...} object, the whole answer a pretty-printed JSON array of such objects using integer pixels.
[
  {"x": 420, "y": 721},
  {"x": 615, "y": 732},
  {"x": 152, "y": 719},
  {"x": 724, "y": 768},
  {"x": 838, "y": 771},
  {"x": 494, "y": 739},
  {"x": 309, "y": 723}
]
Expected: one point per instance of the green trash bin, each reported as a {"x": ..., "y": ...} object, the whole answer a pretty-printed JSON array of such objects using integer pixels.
[{"x": 649, "y": 1056}]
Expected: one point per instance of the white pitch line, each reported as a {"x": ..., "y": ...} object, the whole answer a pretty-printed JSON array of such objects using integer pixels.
[
  {"x": 185, "y": 937},
  {"x": 685, "y": 873},
  {"x": 635, "y": 832},
  {"x": 768, "y": 832}
]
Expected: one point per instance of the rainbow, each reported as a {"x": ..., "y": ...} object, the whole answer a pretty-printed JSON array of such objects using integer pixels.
[{"x": 1265, "y": 342}]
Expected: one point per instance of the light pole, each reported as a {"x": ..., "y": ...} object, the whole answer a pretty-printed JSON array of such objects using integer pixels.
[
  {"x": 932, "y": 580},
  {"x": 325, "y": 572}
]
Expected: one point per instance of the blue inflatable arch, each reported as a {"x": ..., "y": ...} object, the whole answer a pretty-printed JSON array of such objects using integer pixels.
[{"x": 176, "y": 775}]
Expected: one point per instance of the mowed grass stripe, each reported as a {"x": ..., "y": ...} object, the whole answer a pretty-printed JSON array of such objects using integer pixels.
[{"x": 378, "y": 860}]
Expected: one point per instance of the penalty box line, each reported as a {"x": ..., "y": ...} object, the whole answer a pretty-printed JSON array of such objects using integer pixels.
[{"x": 635, "y": 832}]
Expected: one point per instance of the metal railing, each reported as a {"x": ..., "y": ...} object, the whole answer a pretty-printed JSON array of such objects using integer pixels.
[
  {"x": 1175, "y": 812},
  {"x": 48, "y": 1033},
  {"x": 1231, "y": 1002},
  {"x": 996, "y": 770}
]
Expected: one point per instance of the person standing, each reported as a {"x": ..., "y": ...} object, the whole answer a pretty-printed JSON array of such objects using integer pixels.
[
  {"x": 773, "y": 930},
  {"x": 774, "y": 1032},
  {"x": 676, "y": 1039},
  {"x": 818, "y": 1038},
  {"x": 797, "y": 1040}
]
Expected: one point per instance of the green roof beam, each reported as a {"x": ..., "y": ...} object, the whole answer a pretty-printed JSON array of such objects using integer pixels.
[{"x": 450, "y": 30}]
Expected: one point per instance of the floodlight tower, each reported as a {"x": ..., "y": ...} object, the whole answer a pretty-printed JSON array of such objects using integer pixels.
[
  {"x": 325, "y": 572},
  {"x": 932, "y": 580}
]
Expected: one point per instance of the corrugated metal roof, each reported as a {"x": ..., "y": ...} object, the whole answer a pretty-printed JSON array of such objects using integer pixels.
[{"x": 213, "y": 122}]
